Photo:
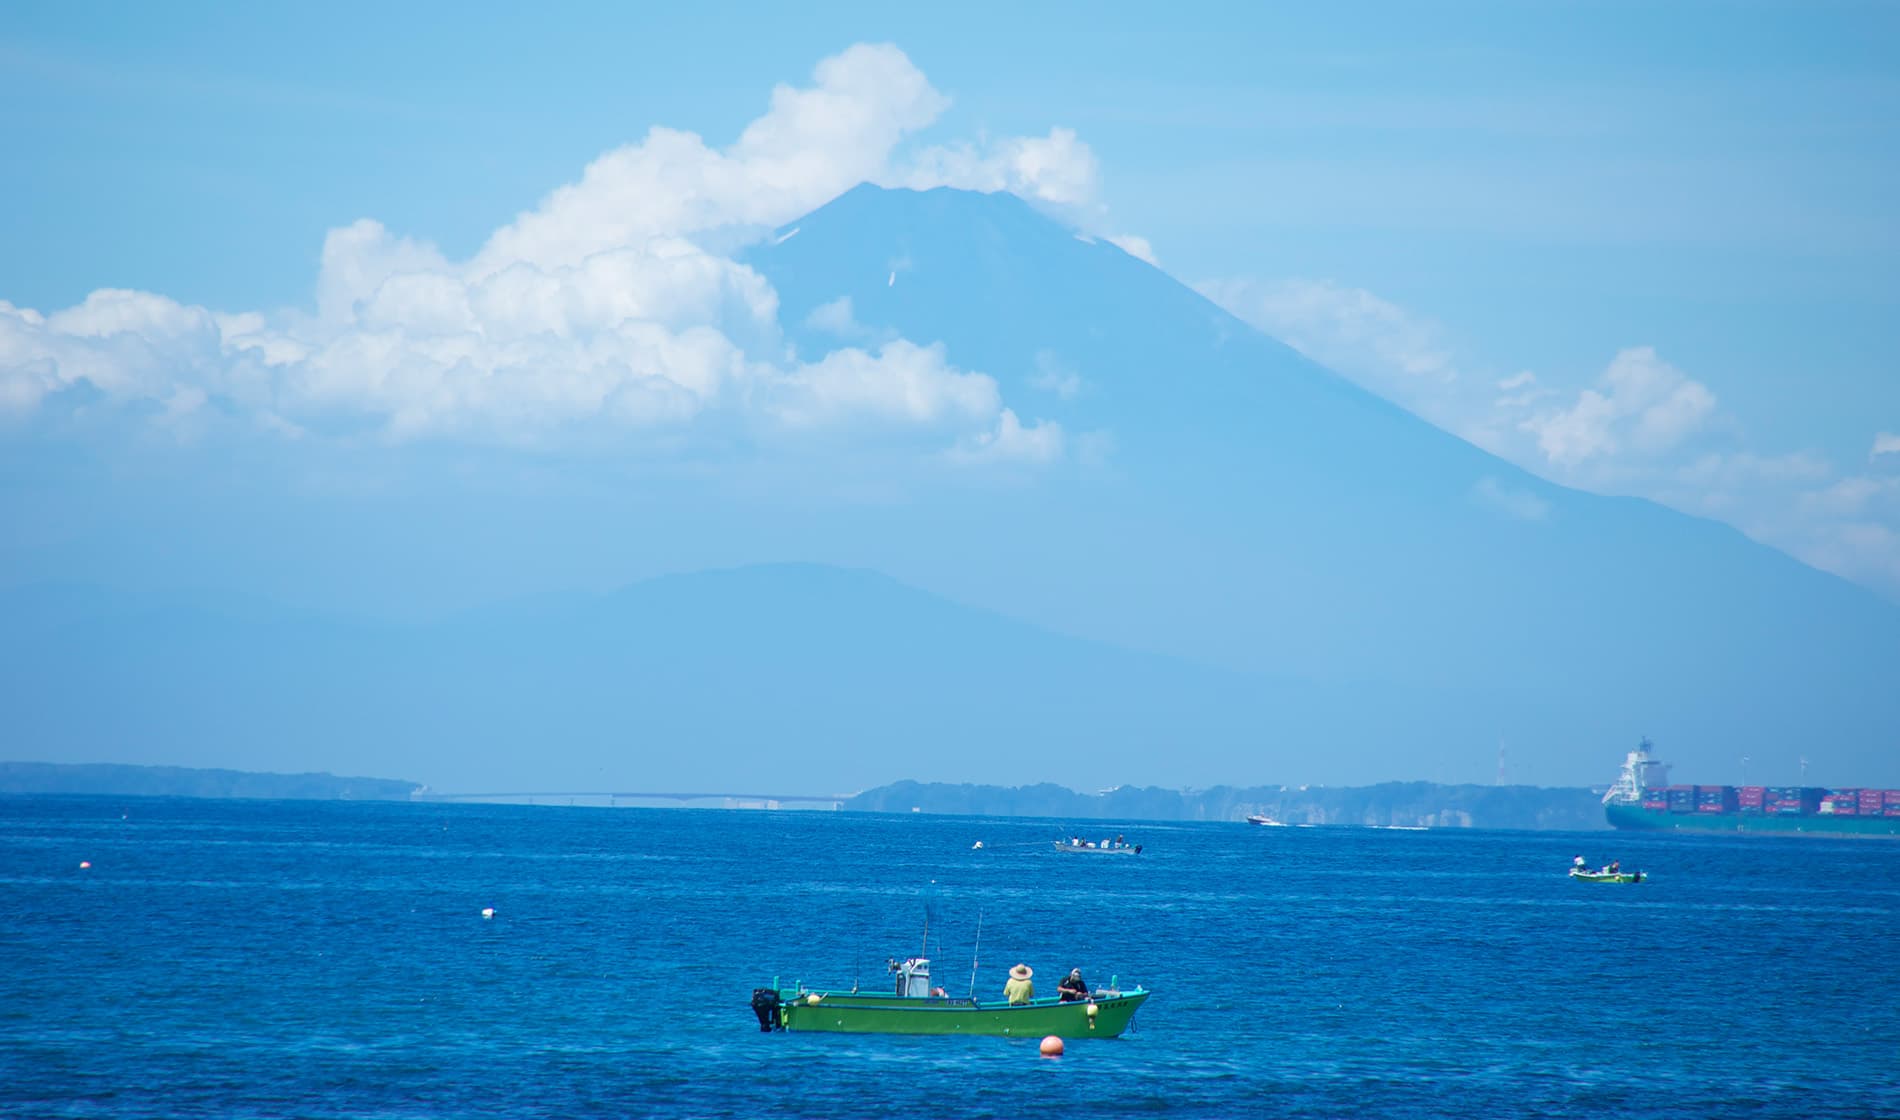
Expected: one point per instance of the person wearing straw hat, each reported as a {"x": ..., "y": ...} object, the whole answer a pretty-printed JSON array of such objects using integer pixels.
[{"x": 1018, "y": 989}]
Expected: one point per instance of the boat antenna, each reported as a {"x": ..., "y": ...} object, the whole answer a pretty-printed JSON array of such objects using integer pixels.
[{"x": 974, "y": 951}]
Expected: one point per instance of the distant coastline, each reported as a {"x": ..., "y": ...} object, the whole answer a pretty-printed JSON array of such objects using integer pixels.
[
  {"x": 180, "y": 781},
  {"x": 1385, "y": 805}
]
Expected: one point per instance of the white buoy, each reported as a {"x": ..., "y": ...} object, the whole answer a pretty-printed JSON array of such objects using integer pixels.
[
  {"x": 85, "y": 865},
  {"x": 977, "y": 846},
  {"x": 488, "y": 911}
]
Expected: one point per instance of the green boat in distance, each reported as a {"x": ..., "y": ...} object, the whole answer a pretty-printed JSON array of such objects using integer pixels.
[
  {"x": 1611, "y": 872},
  {"x": 1105, "y": 1014},
  {"x": 1583, "y": 876}
]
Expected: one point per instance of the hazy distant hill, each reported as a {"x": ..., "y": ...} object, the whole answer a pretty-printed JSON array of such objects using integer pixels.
[
  {"x": 178, "y": 781},
  {"x": 782, "y": 678}
]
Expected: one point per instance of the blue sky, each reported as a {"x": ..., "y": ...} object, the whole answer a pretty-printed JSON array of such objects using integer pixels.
[{"x": 1636, "y": 249}]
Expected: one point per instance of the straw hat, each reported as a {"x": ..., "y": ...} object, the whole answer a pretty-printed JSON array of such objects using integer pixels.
[{"x": 1021, "y": 972}]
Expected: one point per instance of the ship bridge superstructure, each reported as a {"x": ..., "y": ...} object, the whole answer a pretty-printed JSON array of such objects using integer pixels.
[{"x": 1640, "y": 772}]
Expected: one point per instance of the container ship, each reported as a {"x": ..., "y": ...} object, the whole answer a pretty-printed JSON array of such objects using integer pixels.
[{"x": 1643, "y": 799}]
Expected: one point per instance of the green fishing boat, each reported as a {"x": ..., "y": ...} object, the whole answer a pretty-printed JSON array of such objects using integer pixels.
[
  {"x": 1585, "y": 876},
  {"x": 915, "y": 1007}
]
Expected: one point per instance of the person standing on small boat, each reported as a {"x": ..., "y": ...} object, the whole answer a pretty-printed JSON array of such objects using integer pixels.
[
  {"x": 1018, "y": 989},
  {"x": 1072, "y": 987}
]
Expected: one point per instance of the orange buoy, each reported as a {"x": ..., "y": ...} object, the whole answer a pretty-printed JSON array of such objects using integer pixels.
[{"x": 1052, "y": 1046}]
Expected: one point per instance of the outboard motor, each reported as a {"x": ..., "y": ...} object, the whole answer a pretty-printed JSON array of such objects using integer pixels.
[{"x": 765, "y": 1006}]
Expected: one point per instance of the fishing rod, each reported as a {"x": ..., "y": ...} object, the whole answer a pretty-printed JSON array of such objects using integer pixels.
[{"x": 978, "y": 948}]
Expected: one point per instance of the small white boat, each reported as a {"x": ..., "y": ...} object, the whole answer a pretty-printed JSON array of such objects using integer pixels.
[{"x": 1268, "y": 822}]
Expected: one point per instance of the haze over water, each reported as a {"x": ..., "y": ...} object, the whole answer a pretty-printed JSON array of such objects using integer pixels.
[{"x": 331, "y": 960}]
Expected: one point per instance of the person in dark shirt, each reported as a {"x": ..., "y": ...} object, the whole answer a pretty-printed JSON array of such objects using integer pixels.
[{"x": 1072, "y": 987}]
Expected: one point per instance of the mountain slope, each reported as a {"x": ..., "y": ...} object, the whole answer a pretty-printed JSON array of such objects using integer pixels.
[{"x": 1292, "y": 523}]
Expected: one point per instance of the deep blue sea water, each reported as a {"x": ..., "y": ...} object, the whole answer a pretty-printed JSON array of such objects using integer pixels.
[{"x": 274, "y": 959}]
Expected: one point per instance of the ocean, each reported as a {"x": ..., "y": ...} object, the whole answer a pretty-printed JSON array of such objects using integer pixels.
[{"x": 320, "y": 959}]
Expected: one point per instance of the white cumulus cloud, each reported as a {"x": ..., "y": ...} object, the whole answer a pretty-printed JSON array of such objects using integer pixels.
[
  {"x": 610, "y": 302},
  {"x": 1394, "y": 352},
  {"x": 813, "y": 144},
  {"x": 1641, "y": 427},
  {"x": 1137, "y": 247},
  {"x": 1058, "y": 169},
  {"x": 1011, "y": 441},
  {"x": 1640, "y": 403},
  {"x": 901, "y": 381},
  {"x": 837, "y": 318}
]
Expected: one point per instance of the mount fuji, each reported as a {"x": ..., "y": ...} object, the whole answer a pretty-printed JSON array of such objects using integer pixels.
[{"x": 1233, "y": 565}]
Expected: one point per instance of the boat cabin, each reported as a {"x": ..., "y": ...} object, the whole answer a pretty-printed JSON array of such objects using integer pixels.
[{"x": 913, "y": 977}]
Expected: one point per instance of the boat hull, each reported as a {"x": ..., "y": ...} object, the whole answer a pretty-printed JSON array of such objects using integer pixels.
[
  {"x": 1637, "y": 818},
  {"x": 867, "y": 1013},
  {"x": 1080, "y": 850}
]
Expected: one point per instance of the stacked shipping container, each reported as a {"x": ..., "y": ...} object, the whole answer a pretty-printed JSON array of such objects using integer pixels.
[
  {"x": 1788, "y": 799},
  {"x": 1779, "y": 800},
  {"x": 1841, "y": 802}
]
